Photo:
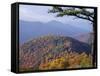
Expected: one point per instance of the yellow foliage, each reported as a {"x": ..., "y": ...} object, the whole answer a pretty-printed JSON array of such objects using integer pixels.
[{"x": 71, "y": 60}]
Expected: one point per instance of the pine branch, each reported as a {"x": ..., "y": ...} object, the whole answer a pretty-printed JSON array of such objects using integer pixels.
[{"x": 81, "y": 13}]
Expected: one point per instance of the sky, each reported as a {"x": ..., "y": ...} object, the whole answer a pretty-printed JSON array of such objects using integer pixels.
[{"x": 34, "y": 13}]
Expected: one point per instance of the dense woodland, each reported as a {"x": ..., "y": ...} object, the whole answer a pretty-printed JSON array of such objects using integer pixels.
[{"x": 54, "y": 52}]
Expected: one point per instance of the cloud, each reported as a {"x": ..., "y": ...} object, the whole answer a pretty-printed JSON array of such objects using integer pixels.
[
  {"x": 30, "y": 13},
  {"x": 39, "y": 13}
]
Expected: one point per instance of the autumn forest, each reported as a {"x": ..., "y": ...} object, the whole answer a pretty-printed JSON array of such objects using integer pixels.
[{"x": 54, "y": 52}]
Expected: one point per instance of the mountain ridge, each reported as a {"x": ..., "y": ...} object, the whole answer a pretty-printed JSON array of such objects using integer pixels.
[{"x": 35, "y": 29}]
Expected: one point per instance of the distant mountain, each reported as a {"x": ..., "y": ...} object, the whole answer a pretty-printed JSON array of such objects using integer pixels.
[
  {"x": 30, "y": 30},
  {"x": 84, "y": 37},
  {"x": 33, "y": 52}
]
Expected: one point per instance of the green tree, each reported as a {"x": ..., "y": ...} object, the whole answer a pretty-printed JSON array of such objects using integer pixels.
[{"x": 82, "y": 13}]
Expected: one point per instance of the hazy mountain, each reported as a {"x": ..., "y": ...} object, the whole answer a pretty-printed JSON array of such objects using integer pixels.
[
  {"x": 86, "y": 37},
  {"x": 30, "y": 30}
]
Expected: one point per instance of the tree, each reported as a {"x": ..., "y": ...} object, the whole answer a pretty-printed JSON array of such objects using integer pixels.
[{"x": 82, "y": 13}]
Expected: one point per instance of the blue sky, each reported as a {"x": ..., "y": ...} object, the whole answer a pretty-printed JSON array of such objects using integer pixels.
[{"x": 34, "y": 13}]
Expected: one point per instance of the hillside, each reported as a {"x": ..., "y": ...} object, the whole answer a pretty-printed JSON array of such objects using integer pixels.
[{"x": 45, "y": 50}]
